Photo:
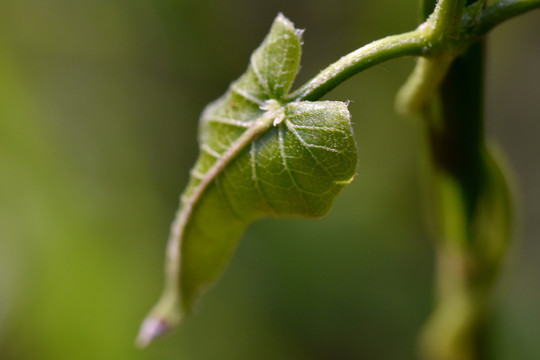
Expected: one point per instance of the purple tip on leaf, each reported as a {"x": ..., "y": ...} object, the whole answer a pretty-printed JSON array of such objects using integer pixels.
[{"x": 151, "y": 328}]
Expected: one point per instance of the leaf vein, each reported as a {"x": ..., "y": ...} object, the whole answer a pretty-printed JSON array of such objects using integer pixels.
[
  {"x": 306, "y": 144},
  {"x": 318, "y": 128},
  {"x": 255, "y": 177},
  {"x": 246, "y": 95},
  {"x": 207, "y": 149},
  {"x": 258, "y": 75},
  {"x": 281, "y": 72},
  {"x": 226, "y": 198},
  {"x": 288, "y": 124},
  {"x": 229, "y": 121},
  {"x": 196, "y": 174},
  {"x": 286, "y": 166}
]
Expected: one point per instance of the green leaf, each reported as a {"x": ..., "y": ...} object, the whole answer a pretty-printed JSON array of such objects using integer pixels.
[{"x": 259, "y": 157}]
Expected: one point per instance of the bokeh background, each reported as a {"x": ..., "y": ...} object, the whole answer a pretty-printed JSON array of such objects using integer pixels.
[{"x": 99, "y": 103}]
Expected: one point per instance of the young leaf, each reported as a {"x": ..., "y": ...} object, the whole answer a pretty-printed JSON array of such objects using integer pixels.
[{"x": 259, "y": 157}]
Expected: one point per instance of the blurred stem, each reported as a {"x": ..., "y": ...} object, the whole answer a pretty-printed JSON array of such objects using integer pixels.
[
  {"x": 470, "y": 201},
  {"x": 455, "y": 145},
  {"x": 424, "y": 81}
]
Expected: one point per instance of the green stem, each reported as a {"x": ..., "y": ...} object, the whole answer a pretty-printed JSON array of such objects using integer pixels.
[
  {"x": 470, "y": 208},
  {"x": 445, "y": 21},
  {"x": 446, "y": 18},
  {"x": 391, "y": 47},
  {"x": 426, "y": 77},
  {"x": 442, "y": 37},
  {"x": 501, "y": 11},
  {"x": 443, "y": 27}
]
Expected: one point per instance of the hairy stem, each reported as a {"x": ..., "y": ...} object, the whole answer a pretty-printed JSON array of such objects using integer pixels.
[
  {"x": 391, "y": 47},
  {"x": 442, "y": 37},
  {"x": 446, "y": 18}
]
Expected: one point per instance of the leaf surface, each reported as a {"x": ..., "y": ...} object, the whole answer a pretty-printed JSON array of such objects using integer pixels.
[{"x": 259, "y": 156}]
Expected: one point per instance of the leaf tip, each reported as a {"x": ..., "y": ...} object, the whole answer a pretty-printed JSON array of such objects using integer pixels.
[
  {"x": 345, "y": 182},
  {"x": 151, "y": 328},
  {"x": 281, "y": 17}
]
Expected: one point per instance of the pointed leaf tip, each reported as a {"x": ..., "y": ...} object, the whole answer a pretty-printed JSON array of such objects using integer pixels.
[
  {"x": 275, "y": 62},
  {"x": 281, "y": 17},
  {"x": 151, "y": 328}
]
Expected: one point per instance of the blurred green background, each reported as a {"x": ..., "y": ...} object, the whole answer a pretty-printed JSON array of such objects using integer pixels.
[{"x": 99, "y": 102}]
